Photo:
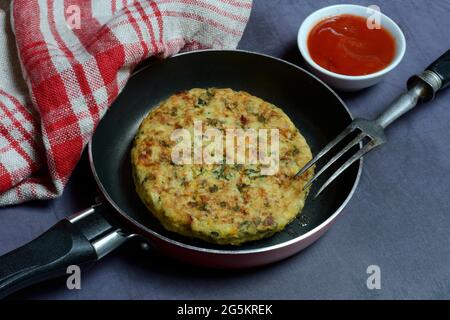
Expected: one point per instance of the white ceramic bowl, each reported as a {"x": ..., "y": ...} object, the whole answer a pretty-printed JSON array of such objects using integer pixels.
[{"x": 340, "y": 81}]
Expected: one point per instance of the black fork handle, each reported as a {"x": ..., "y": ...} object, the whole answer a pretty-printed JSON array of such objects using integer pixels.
[
  {"x": 421, "y": 87},
  {"x": 441, "y": 67},
  {"x": 435, "y": 78}
]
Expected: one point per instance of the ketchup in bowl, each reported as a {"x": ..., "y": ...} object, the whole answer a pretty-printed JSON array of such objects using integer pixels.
[{"x": 344, "y": 44}]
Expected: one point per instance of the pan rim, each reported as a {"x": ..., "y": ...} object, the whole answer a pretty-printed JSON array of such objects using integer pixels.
[{"x": 285, "y": 244}]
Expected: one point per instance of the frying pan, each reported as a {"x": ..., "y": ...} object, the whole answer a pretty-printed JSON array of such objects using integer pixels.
[{"x": 84, "y": 238}]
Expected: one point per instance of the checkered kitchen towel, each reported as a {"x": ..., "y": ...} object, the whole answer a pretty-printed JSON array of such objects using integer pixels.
[{"x": 63, "y": 62}]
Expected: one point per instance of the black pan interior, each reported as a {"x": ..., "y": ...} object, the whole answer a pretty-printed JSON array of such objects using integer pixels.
[{"x": 316, "y": 111}]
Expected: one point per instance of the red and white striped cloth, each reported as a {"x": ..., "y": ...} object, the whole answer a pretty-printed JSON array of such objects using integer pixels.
[{"x": 63, "y": 62}]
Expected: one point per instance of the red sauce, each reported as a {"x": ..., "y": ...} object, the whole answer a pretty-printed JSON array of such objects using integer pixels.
[{"x": 344, "y": 44}]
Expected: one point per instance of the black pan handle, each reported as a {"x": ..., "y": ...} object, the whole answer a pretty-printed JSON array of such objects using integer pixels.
[
  {"x": 441, "y": 67},
  {"x": 46, "y": 257},
  {"x": 79, "y": 240}
]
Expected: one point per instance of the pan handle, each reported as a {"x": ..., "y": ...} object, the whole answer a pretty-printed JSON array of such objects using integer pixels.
[{"x": 78, "y": 240}]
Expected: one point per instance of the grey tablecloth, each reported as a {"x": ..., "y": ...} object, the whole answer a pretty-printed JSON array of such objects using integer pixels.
[{"x": 399, "y": 218}]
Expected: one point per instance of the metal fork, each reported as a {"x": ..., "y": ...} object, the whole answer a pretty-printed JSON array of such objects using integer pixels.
[{"x": 370, "y": 133}]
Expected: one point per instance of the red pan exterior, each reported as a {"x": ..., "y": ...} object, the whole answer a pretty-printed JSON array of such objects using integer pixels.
[{"x": 236, "y": 261}]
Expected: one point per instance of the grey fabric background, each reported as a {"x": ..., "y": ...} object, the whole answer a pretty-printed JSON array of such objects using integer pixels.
[{"x": 398, "y": 219}]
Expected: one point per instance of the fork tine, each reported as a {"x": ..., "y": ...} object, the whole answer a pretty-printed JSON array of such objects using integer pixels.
[
  {"x": 327, "y": 148},
  {"x": 352, "y": 143},
  {"x": 361, "y": 152}
]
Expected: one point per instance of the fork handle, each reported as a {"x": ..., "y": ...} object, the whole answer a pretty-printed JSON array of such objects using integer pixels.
[
  {"x": 436, "y": 77},
  {"x": 420, "y": 87},
  {"x": 441, "y": 67}
]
